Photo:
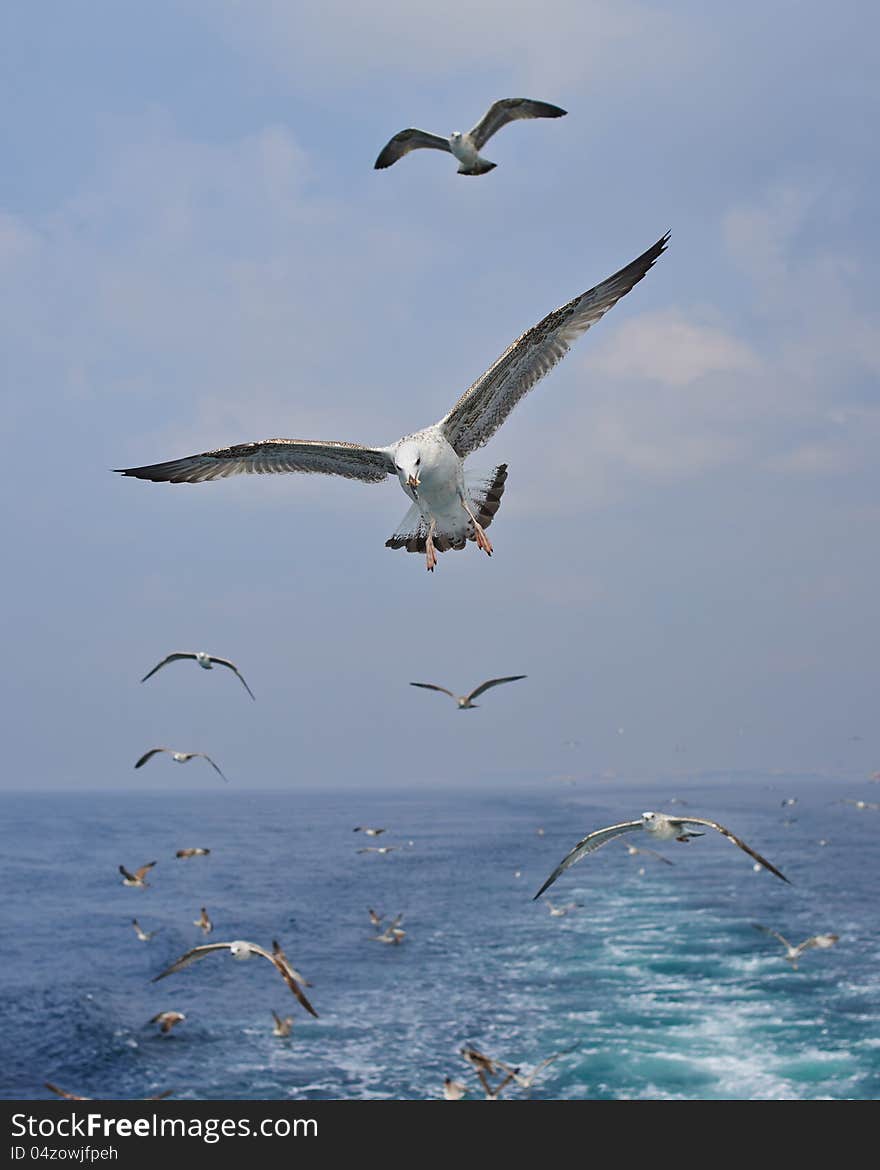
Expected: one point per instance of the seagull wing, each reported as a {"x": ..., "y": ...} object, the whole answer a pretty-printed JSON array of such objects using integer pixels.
[
  {"x": 285, "y": 974},
  {"x": 405, "y": 141},
  {"x": 823, "y": 941},
  {"x": 483, "y": 408},
  {"x": 510, "y": 110},
  {"x": 730, "y": 837},
  {"x": 433, "y": 687},
  {"x": 171, "y": 658},
  {"x": 368, "y": 464},
  {"x": 492, "y": 682},
  {"x": 64, "y": 1093},
  {"x": 141, "y": 873},
  {"x": 235, "y": 670},
  {"x": 149, "y": 755},
  {"x": 773, "y": 933},
  {"x": 589, "y": 844},
  {"x": 190, "y": 957},
  {"x": 126, "y": 874},
  {"x": 211, "y": 762}
]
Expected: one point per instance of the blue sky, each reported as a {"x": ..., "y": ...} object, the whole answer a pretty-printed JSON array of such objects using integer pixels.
[{"x": 196, "y": 251}]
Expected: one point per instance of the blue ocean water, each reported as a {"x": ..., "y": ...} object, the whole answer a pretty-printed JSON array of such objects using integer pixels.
[{"x": 658, "y": 984}]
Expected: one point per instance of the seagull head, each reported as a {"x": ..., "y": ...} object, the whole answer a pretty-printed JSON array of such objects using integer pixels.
[
  {"x": 408, "y": 462},
  {"x": 455, "y": 136}
]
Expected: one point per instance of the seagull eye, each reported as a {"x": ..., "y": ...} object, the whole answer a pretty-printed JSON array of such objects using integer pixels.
[{"x": 418, "y": 460}]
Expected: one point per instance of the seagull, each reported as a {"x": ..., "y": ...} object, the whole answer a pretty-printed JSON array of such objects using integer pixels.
[
  {"x": 449, "y": 505},
  {"x": 77, "y": 1097},
  {"x": 662, "y": 828},
  {"x": 392, "y": 936},
  {"x": 634, "y": 851},
  {"x": 464, "y": 701},
  {"x": 242, "y": 951},
  {"x": 167, "y": 1020},
  {"x": 278, "y": 954},
  {"x": 367, "y": 831},
  {"x": 194, "y": 852},
  {"x": 789, "y": 802},
  {"x": 453, "y": 1090},
  {"x": 138, "y": 878},
  {"x": 861, "y": 804},
  {"x": 526, "y": 1081},
  {"x": 561, "y": 911},
  {"x": 283, "y": 1026},
  {"x": 466, "y": 147},
  {"x": 205, "y": 661},
  {"x": 377, "y": 849},
  {"x": 204, "y": 922},
  {"x": 375, "y": 919},
  {"x": 792, "y": 953},
  {"x": 143, "y": 935},
  {"x": 179, "y": 758}
]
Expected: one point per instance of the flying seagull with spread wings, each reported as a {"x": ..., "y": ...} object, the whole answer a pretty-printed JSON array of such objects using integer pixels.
[
  {"x": 466, "y": 147},
  {"x": 138, "y": 878},
  {"x": 242, "y": 951},
  {"x": 662, "y": 828},
  {"x": 143, "y": 935},
  {"x": 450, "y": 506},
  {"x": 179, "y": 758},
  {"x": 793, "y": 953},
  {"x": 206, "y": 661},
  {"x": 465, "y": 702}
]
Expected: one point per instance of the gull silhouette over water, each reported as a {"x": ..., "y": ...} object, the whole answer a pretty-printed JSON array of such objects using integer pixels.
[{"x": 662, "y": 828}]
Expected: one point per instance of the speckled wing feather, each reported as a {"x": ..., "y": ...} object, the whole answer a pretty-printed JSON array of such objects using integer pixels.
[
  {"x": 510, "y": 110},
  {"x": 271, "y": 456},
  {"x": 492, "y": 682},
  {"x": 589, "y": 844},
  {"x": 483, "y": 408},
  {"x": 405, "y": 141},
  {"x": 730, "y": 837}
]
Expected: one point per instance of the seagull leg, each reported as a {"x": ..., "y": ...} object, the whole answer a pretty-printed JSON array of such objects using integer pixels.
[
  {"x": 430, "y": 554},
  {"x": 480, "y": 536}
]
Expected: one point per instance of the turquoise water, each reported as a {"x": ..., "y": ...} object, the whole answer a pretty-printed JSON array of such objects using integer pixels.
[{"x": 658, "y": 984}]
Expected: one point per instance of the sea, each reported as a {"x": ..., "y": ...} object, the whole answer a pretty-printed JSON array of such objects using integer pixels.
[{"x": 654, "y": 985}]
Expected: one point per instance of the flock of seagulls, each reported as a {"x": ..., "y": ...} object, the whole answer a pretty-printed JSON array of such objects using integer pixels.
[{"x": 449, "y": 505}]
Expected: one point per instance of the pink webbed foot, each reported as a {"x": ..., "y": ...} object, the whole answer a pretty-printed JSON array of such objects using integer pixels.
[{"x": 482, "y": 539}]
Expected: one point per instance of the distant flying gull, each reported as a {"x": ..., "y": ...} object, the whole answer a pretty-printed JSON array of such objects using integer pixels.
[
  {"x": 392, "y": 935},
  {"x": 377, "y": 849},
  {"x": 278, "y": 954},
  {"x": 526, "y": 1080},
  {"x": 861, "y": 804},
  {"x": 464, "y": 701},
  {"x": 634, "y": 851},
  {"x": 206, "y": 661},
  {"x": 194, "y": 852},
  {"x": 662, "y": 828},
  {"x": 168, "y": 1020},
  {"x": 77, "y": 1097},
  {"x": 449, "y": 505},
  {"x": 143, "y": 935},
  {"x": 138, "y": 877},
  {"x": 242, "y": 951},
  {"x": 789, "y": 802},
  {"x": 203, "y": 922},
  {"x": 453, "y": 1090},
  {"x": 561, "y": 911},
  {"x": 179, "y": 758},
  {"x": 792, "y": 953},
  {"x": 367, "y": 831},
  {"x": 283, "y": 1025},
  {"x": 466, "y": 147}
]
